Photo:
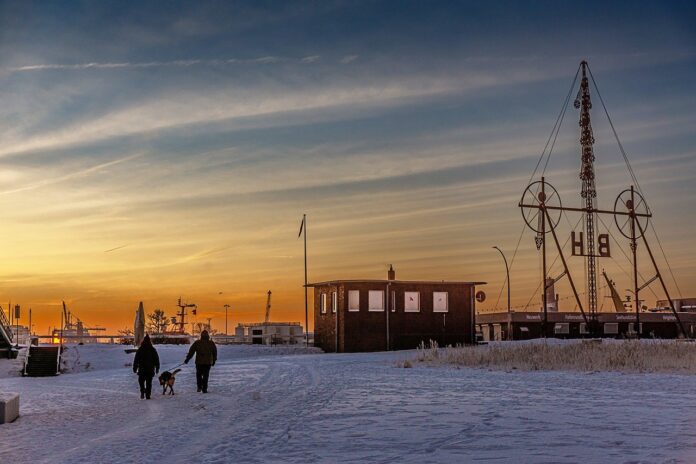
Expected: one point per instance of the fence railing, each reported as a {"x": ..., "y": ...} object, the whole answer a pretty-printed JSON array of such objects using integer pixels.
[{"x": 5, "y": 325}]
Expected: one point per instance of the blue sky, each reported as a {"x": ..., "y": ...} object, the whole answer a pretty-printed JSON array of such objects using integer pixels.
[{"x": 195, "y": 134}]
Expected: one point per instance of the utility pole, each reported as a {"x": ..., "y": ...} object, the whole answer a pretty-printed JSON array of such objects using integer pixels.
[
  {"x": 303, "y": 229},
  {"x": 226, "y": 308},
  {"x": 17, "y": 326},
  {"x": 306, "y": 304}
]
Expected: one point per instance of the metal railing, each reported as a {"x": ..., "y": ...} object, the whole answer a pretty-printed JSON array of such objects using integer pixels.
[{"x": 4, "y": 326}]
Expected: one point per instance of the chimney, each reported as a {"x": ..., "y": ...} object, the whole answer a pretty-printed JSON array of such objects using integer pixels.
[{"x": 391, "y": 274}]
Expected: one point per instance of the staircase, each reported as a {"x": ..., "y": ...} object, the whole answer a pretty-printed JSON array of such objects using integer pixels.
[
  {"x": 42, "y": 361},
  {"x": 5, "y": 336}
]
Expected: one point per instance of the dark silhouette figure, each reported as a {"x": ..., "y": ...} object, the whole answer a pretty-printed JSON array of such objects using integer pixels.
[
  {"x": 206, "y": 355},
  {"x": 146, "y": 364}
]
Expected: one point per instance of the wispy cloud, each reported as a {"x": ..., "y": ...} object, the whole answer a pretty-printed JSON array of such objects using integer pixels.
[
  {"x": 114, "y": 249},
  {"x": 175, "y": 63},
  {"x": 203, "y": 254},
  {"x": 349, "y": 59},
  {"x": 310, "y": 59},
  {"x": 48, "y": 180}
]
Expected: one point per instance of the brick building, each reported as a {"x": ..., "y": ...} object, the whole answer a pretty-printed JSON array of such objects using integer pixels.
[{"x": 378, "y": 315}]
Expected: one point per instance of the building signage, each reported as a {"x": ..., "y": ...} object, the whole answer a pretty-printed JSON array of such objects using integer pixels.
[
  {"x": 578, "y": 245},
  {"x": 531, "y": 317}
]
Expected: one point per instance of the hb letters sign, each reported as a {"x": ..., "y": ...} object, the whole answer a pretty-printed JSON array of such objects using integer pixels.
[{"x": 578, "y": 244}]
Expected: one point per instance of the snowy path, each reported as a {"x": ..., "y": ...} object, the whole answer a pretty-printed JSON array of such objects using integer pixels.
[{"x": 350, "y": 408}]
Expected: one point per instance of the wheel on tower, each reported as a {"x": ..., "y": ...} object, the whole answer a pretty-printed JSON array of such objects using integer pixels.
[
  {"x": 629, "y": 203},
  {"x": 538, "y": 196}
]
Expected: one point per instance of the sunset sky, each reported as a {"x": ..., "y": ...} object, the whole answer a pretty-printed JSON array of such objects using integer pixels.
[{"x": 153, "y": 150}]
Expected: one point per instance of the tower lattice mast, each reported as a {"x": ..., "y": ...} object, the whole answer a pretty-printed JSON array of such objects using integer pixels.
[{"x": 589, "y": 193}]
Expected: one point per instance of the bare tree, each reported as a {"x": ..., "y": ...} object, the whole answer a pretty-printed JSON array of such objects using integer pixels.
[
  {"x": 126, "y": 336},
  {"x": 158, "y": 322},
  {"x": 199, "y": 327}
]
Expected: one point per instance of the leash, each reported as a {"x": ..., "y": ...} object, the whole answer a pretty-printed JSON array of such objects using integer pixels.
[{"x": 172, "y": 368}]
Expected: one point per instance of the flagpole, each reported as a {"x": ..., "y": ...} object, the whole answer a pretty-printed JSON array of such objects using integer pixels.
[{"x": 306, "y": 305}]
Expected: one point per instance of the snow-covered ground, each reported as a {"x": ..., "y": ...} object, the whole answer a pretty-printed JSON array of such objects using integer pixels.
[{"x": 274, "y": 405}]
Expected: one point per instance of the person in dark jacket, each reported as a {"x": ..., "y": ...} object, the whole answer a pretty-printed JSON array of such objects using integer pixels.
[
  {"x": 206, "y": 355},
  {"x": 146, "y": 364}
]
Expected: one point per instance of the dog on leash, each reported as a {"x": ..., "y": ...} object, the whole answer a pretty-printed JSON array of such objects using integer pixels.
[{"x": 167, "y": 379}]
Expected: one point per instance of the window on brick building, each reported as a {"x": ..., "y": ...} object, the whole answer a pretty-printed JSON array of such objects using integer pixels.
[
  {"x": 411, "y": 302},
  {"x": 440, "y": 302},
  {"x": 322, "y": 303},
  {"x": 334, "y": 302},
  {"x": 375, "y": 300},
  {"x": 354, "y": 300},
  {"x": 392, "y": 301}
]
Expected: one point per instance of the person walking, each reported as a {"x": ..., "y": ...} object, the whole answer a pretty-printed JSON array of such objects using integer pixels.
[
  {"x": 146, "y": 364},
  {"x": 206, "y": 355}
]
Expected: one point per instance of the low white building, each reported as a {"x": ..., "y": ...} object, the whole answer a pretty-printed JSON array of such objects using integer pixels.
[{"x": 269, "y": 333}]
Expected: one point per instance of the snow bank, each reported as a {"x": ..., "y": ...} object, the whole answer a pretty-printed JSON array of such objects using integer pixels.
[
  {"x": 348, "y": 407},
  {"x": 97, "y": 357},
  {"x": 85, "y": 358},
  {"x": 649, "y": 356},
  {"x": 13, "y": 367}
]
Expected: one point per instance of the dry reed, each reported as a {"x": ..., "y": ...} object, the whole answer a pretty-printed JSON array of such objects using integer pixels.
[{"x": 582, "y": 355}]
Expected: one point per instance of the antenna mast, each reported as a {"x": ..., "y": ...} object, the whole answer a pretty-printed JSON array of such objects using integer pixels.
[
  {"x": 589, "y": 192},
  {"x": 181, "y": 321}
]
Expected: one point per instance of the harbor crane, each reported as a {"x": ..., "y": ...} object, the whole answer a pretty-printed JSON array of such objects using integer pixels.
[
  {"x": 615, "y": 298},
  {"x": 73, "y": 323},
  {"x": 268, "y": 308}
]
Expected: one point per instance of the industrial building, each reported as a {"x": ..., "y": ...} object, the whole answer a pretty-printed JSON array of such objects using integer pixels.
[
  {"x": 687, "y": 305},
  {"x": 269, "y": 333},
  {"x": 378, "y": 315},
  {"x": 526, "y": 325},
  {"x": 660, "y": 322}
]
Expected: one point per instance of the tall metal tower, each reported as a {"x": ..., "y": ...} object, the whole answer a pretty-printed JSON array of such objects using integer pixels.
[
  {"x": 542, "y": 210},
  {"x": 589, "y": 193}
]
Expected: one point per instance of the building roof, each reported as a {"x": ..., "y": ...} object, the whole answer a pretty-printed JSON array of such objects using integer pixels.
[
  {"x": 572, "y": 316},
  {"x": 386, "y": 281}
]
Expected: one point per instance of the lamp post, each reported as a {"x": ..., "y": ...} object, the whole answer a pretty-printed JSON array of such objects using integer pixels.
[
  {"x": 226, "y": 308},
  {"x": 507, "y": 271},
  {"x": 17, "y": 326}
]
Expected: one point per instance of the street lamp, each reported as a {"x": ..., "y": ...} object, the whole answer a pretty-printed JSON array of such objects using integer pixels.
[
  {"x": 226, "y": 308},
  {"x": 16, "y": 315},
  {"x": 507, "y": 271}
]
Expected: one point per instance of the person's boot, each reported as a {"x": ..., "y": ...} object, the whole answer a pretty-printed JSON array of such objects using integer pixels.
[
  {"x": 199, "y": 389},
  {"x": 147, "y": 396},
  {"x": 142, "y": 395}
]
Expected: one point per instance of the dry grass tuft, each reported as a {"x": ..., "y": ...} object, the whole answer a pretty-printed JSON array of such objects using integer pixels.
[
  {"x": 629, "y": 356},
  {"x": 405, "y": 363}
]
